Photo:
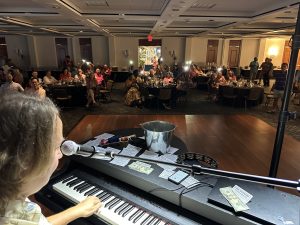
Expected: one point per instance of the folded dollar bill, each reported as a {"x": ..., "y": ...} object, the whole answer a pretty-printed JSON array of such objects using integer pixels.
[
  {"x": 141, "y": 167},
  {"x": 233, "y": 199}
]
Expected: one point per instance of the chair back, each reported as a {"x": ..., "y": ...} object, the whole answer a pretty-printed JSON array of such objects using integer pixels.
[
  {"x": 165, "y": 94},
  {"x": 227, "y": 90},
  {"x": 60, "y": 93},
  {"x": 255, "y": 93},
  {"x": 109, "y": 85}
]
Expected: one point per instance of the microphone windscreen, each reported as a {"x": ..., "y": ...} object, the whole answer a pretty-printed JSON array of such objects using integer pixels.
[{"x": 69, "y": 147}]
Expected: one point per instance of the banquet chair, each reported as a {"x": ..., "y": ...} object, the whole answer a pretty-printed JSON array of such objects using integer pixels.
[
  {"x": 228, "y": 94},
  {"x": 61, "y": 97},
  {"x": 253, "y": 96},
  {"x": 106, "y": 92},
  {"x": 164, "y": 96},
  {"x": 270, "y": 98},
  {"x": 147, "y": 98}
]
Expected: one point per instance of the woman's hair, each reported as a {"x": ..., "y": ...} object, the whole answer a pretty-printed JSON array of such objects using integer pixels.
[{"x": 27, "y": 126}]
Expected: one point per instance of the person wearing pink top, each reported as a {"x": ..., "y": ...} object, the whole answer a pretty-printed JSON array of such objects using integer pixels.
[{"x": 99, "y": 77}]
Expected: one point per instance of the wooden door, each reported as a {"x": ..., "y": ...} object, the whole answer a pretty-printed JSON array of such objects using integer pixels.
[
  {"x": 287, "y": 54},
  {"x": 234, "y": 53},
  {"x": 3, "y": 50},
  {"x": 212, "y": 51}
]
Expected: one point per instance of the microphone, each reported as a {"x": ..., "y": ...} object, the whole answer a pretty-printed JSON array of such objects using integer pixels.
[{"x": 70, "y": 148}]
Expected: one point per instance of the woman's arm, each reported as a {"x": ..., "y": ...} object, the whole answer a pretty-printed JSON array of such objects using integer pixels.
[{"x": 83, "y": 209}]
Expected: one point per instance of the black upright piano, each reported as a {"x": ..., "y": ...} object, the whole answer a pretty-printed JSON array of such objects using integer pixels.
[{"x": 131, "y": 197}]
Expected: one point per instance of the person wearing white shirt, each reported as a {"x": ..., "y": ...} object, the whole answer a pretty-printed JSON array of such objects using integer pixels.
[
  {"x": 49, "y": 79},
  {"x": 9, "y": 85}
]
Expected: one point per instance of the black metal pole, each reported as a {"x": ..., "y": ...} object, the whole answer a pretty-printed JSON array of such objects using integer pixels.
[{"x": 284, "y": 114}]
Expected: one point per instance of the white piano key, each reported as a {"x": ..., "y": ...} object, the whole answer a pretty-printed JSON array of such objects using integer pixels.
[{"x": 105, "y": 213}]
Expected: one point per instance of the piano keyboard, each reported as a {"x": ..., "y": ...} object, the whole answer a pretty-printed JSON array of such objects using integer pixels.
[{"x": 114, "y": 209}]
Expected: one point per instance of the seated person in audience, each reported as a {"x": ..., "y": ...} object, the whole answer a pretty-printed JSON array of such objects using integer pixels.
[
  {"x": 193, "y": 72},
  {"x": 220, "y": 79},
  {"x": 30, "y": 139},
  {"x": 224, "y": 72},
  {"x": 91, "y": 87},
  {"x": 231, "y": 75},
  {"x": 182, "y": 86},
  {"x": 107, "y": 71},
  {"x": 99, "y": 77},
  {"x": 9, "y": 85},
  {"x": 2, "y": 76},
  {"x": 167, "y": 70},
  {"x": 200, "y": 72},
  {"x": 133, "y": 96},
  {"x": 34, "y": 74},
  {"x": 36, "y": 89},
  {"x": 18, "y": 76},
  {"x": 80, "y": 76},
  {"x": 151, "y": 73},
  {"x": 154, "y": 62},
  {"x": 128, "y": 83},
  {"x": 49, "y": 79},
  {"x": 168, "y": 79},
  {"x": 66, "y": 76}
]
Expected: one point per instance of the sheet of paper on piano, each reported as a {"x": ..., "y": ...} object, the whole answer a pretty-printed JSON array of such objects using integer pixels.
[
  {"x": 96, "y": 140},
  {"x": 130, "y": 150},
  {"x": 189, "y": 182},
  {"x": 167, "y": 158}
]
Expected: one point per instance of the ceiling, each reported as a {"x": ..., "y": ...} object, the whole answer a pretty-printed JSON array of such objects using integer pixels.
[{"x": 161, "y": 18}]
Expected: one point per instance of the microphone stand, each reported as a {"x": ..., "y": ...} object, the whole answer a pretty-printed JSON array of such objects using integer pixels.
[{"x": 197, "y": 169}]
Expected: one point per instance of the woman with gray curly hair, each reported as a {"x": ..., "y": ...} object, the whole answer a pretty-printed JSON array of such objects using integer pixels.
[{"x": 30, "y": 139}]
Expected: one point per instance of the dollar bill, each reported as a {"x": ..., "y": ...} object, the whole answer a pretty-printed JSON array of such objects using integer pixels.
[
  {"x": 141, "y": 167},
  {"x": 232, "y": 198}
]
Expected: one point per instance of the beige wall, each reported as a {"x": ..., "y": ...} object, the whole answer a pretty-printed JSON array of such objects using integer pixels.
[
  {"x": 40, "y": 51},
  {"x": 46, "y": 52},
  {"x": 249, "y": 50},
  {"x": 276, "y": 44},
  {"x": 17, "y": 50}
]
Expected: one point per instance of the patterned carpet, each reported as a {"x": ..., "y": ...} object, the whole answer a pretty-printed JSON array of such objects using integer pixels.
[{"x": 197, "y": 103}]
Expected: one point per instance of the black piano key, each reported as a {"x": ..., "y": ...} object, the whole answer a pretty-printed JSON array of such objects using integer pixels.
[
  {"x": 134, "y": 214},
  {"x": 125, "y": 204},
  {"x": 112, "y": 201},
  {"x": 157, "y": 222},
  {"x": 124, "y": 209},
  {"x": 68, "y": 179},
  {"x": 138, "y": 216},
  {"x": 127, "y": 211},
  {"x": 108, "y": 199},
  {"x": 83, "y": 189},
  {"x": 101, "y": 194},
  {"x": 103, "y": 198},
  {"x": 151, "y": 222},
  {"x": 76, "y": 187},
  {"x": 73, "y": 182},
  {"x": 114, "y": 204},
  {"x": 146, "y": 220},
  {"x": 90, "y": 192}
]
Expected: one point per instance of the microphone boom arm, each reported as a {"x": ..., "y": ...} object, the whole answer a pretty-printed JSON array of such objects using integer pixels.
[{"x": 197, "y": 169}]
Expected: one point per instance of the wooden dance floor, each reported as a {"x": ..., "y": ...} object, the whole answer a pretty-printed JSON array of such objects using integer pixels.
[{"x": 239, "y": 143}]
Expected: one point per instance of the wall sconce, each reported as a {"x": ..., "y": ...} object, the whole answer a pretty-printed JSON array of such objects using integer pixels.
[
  {"x": 125, "y": 53},
  {"x": 273, "y": 51}
]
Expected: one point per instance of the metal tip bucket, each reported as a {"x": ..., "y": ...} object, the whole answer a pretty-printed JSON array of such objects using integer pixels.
[{"x": 158, "y": 135}]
